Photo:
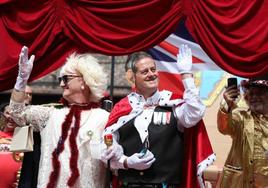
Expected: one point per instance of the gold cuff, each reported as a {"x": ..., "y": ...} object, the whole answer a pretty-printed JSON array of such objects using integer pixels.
[{"x": 224, "y": 107}]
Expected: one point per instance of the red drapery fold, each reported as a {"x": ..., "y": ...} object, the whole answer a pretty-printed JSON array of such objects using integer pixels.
[
  {"x": 53, "y": 29},
  {"x": 233, "y": 33}
]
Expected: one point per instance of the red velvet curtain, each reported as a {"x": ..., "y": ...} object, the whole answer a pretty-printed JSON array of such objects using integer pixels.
[
  {"x": 234, "y": 33},
  {"x": 52, "y": 29}
]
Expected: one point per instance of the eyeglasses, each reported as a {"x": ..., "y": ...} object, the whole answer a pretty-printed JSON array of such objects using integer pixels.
[{"x": 67, "y": 78}]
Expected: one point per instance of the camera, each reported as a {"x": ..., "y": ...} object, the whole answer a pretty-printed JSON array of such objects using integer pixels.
[{"x": 232, "y": 82}]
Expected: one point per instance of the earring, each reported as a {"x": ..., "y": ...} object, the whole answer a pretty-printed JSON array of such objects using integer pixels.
[{"x": 82, "y": 87}]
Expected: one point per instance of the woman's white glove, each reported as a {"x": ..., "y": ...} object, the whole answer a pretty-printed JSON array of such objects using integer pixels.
[
  {"x": 114, "y": 152},
  {"x": 25, "y": 69},
  {"x": 184, "y": 59},
  {"x": 140, "y": 161}
]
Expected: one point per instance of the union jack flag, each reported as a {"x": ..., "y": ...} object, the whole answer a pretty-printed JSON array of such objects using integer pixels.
[{"x": 165, "y": 55}]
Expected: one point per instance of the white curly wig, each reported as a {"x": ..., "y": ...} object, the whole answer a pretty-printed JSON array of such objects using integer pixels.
[{"x": 87, "y": 66}]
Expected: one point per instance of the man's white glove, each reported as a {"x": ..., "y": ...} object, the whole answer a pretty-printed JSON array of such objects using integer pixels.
[
  {"x": 114, "y": 152},
  {"x": 139, "y": 162},
  {"x": 184, "y": 59},
  {"x": 25, "y": 69}
]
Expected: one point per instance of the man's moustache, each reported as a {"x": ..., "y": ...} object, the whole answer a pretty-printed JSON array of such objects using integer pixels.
[{"x": 152, "y": 78}]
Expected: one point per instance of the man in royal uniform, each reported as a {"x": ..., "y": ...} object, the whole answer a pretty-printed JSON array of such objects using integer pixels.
[{"x": 159, "y": 136}]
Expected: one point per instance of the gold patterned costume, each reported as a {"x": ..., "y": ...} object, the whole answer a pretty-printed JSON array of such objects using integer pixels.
[{"x": 247, "y": 162}]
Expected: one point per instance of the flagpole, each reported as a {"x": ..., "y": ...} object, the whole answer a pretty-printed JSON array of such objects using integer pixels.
[{"x": 112, "y": 79}]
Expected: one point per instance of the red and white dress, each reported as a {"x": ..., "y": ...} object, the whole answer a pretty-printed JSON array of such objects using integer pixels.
[{"x": 87, "y": 171}]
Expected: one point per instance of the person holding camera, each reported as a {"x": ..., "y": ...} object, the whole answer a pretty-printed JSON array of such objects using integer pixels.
[
  {"x": 247, "y": 162},
  {"x": 150, "y": 128}
]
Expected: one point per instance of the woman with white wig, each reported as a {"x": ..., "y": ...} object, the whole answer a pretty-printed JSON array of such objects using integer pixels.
[{"x": 70, "y": 134}]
